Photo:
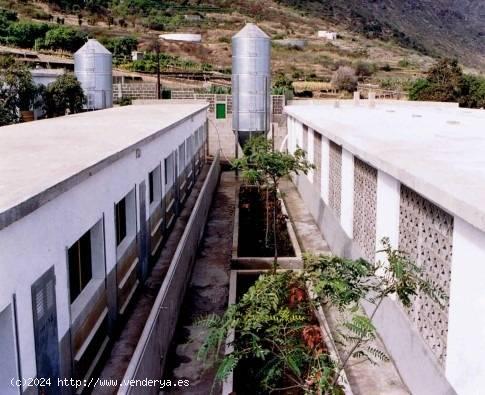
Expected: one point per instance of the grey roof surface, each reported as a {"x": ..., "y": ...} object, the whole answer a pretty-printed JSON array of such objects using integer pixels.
[
  {"x": 42, "y": 159},
  {"x": 93, "y": 46},
  {"x": 250, "y": 30},
  {"x": 437, "y": 150}
]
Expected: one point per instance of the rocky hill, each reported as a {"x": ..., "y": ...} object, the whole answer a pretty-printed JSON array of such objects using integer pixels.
[
  {"x": 391, "y": 41},
  {"x": 448, "y": 28}
]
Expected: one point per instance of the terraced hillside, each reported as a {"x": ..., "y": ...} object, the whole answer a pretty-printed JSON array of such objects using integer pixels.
[{"x": 219, "y": 20}]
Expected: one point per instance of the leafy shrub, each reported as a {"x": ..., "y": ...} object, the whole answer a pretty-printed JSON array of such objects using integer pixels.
[
  {"x": 386, "y": 67},
  {"x": 473, "y": 92},
  {"x": 224, "y": 39},
  {"x": 65, "y": 93},
  {"x": 344, "y": 79},
  {"x": 65, "y": 38},
  {"x": 444, "y": 82},
  {"x": 24, "y": 34},
  {"x": 276, "y": 336},
  {"x": 17, "y": 90},
  {"x": 8, "y": 15},
  {"x": 365, "y": 69},
  {"x": 404, "y": 63},
  {"x": 120, "y": 47},
  {"x": 125, "y": 101}
]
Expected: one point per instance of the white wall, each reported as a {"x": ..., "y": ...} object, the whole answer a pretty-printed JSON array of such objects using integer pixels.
[
  {"x": 465, "y": 363},
  {"x": 36, "y": 242},
  {"x": 8, "y": 361}
]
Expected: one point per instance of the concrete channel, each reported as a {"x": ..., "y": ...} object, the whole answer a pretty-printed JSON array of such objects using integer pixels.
[{"x": 207, "y": 293}]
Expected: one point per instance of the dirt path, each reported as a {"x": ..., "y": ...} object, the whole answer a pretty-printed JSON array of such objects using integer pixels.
[{"x": 207, "y": 293}]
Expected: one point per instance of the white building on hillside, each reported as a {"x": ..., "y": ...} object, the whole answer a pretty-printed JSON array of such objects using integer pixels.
[{"x": 327, "y": 35}]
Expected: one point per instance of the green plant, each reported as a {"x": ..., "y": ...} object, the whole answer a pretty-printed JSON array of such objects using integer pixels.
[
  {"x": 364, "y": 69},
  {"x": 263, "y": 166},
  {"x": 63, "y": 37},
  {"x": 124, "y": 101},
  {"x": 120, "y": 47},
  {"x": 404, "y": 63},
  {"x": 17, "y": 90},
  {"x": 24, "y": 34},
  {"x": 276, "y": 336},
  {"x": 276, "y": 342},
  {"x": 65, "y": 93}
]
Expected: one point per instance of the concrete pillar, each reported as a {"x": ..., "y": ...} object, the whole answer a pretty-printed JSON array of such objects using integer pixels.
[
  {"x": 347, "y": 206},
  {"x": 357, "y": 98},
  {"x": 325, "y": 169},
  {"x": 388, "y": 201},
  {"x": 372, "y": 99},
  {"x": 465, "y": 365},
  {"x": 310, "y": 153}
]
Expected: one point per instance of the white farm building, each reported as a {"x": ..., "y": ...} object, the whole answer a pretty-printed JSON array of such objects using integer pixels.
[{"x": 86, "y": 203}]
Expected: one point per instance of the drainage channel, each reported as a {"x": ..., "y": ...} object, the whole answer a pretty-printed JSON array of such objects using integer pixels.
[{"x": 207, "y": 293}]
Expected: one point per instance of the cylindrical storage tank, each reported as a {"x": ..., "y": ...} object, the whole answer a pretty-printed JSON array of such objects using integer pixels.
[
  {"x": 93, "y": 66},
  {"x": 251, "y": 82}
]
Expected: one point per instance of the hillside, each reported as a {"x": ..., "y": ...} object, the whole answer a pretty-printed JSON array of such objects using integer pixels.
[
  {"x": 450, "y": 28},
  {"x": 392, "y": 56}
]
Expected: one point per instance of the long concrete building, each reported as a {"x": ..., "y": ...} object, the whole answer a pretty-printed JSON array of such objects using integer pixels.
[
  {"x": 86, "y": 202},
  {"x": 415, "y": 173}
]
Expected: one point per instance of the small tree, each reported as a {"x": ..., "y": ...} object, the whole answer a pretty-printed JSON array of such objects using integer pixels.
[
  {"x": 344, "y": 79},
  {"x": 65, "y": 93},
  {"x": 65, "y": 38},
  {"x": 444, "y": 82},
  {"x": 17, "y": 90},
  {"x": 275, "y": 335},
  {"x": 263, "y": 166}
]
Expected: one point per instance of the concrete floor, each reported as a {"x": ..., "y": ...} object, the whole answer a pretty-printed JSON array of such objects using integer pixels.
[
  {"x": 207, "y": 293},
  {"x": 364, "y": 378},
  {"x": 124, "y": 346}
]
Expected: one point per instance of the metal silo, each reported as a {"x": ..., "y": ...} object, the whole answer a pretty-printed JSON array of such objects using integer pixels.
[
  {"x": 251, "y": 82},
  {"x": 93, "y": 67}
]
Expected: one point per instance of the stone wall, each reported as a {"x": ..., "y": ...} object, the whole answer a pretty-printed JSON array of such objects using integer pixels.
[{"x": 142, "y": 91}]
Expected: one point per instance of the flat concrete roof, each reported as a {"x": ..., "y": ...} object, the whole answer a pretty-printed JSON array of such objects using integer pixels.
[
  {"x": 42, "y": 159},
  {"x": 438, "y": 150}
]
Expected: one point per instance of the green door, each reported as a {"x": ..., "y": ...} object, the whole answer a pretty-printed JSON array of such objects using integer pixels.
[{"x": 220, "y": 110}]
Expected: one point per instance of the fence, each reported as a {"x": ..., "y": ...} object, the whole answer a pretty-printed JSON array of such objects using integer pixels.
[{"x": 148, "y": 360}]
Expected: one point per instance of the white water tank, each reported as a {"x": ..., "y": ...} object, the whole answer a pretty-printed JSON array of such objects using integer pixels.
[
  {"x": 251, "y": 82},
  {"x": 93, "y": 66}
]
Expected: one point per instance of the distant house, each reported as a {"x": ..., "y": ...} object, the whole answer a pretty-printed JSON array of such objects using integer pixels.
[
  {"x": 137, "y": 55},
  {"x": 327, "y": 35},
  {"x": 182, "y": 37},
  {"x": 193, "y": 17}
]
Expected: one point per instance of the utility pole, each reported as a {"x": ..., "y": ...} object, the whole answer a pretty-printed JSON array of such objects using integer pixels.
[{"x": 157, "y": 49}]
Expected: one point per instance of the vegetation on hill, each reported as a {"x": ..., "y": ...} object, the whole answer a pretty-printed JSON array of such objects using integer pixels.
[
  {"x": 217, "y": 21},
  {"x": 34, "y": 35},
  {"x": 378, "y": 50},
  {"x": 446, "y": 82}
]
